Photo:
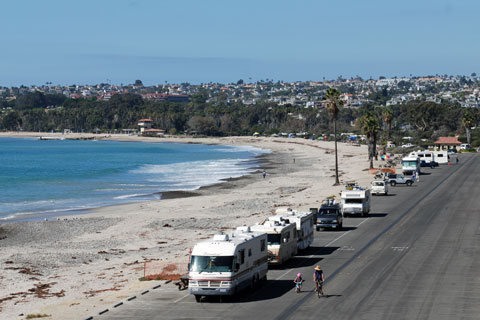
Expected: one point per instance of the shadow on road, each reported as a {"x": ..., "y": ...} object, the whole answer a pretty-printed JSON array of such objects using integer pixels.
[
  {"x": 377, "y": 215},
  {"x": 316, "y": 251}
]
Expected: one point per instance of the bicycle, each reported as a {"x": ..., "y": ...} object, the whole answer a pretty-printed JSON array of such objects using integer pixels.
[
  {"x": 298, "y": 286},
  {"x": 319, "y": 288}
]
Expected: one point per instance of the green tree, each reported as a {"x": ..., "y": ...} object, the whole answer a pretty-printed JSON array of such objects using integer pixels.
[
  {"x": 12, "y": 121},
  {"x": 333, "y": 104},
  {"x": 370, "y": 127},
  {"x": 387, "y": 116},
  {"x": 468, "y": 122}
]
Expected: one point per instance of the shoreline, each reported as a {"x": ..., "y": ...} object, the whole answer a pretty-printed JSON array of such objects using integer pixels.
[
  {"x": 106, "y": 249},
  {"x": 164, "y": 195}
]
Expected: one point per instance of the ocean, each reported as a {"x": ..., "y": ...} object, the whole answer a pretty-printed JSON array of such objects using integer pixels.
[{"x": 43, "y": 178}]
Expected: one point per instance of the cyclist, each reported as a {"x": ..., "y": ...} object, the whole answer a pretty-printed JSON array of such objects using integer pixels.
[
  {"x": 298, "y": 282},
  {"x": 318, "y": 278}
]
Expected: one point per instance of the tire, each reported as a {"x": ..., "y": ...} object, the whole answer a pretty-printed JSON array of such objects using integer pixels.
[
  {"x": 318, "y": 228},
  {"x": 198, "y": 298},
  {"x": 340, "y": 226},
  {"x": 393, "y": 183},
  {"x": 409, "y": 183}
]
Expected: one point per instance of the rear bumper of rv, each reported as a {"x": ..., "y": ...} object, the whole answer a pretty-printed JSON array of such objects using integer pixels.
[{"x": 352, "y": 211}]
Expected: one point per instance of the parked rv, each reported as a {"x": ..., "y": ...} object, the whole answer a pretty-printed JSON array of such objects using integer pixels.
[
  {"x": 355, "y": 200},
  {"x": 411, "y": 164},
  {"x": 441, "y": 157},
  {"x": 379, "y": 187},
  {"x": 228, "y": 263},
  {"x": 304, "y": 224},
  {"x": 282, "y": 239}
]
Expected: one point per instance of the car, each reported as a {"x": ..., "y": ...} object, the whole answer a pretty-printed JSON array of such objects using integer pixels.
[
  {"x": 379, "y": 187},
  {"x": 451, "y": 151},
  {"x": 408, "y": 145},
  {"x": 465, "y": 146},
  {"x": 431, "y": 164},
  {"x": 395, "y": 179},
  {"x": 329, "y": 216}
]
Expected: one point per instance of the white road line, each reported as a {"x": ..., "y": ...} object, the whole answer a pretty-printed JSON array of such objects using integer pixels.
[
  {"x": 180, "y": 299},
  {"x": 311, "y": 256}
]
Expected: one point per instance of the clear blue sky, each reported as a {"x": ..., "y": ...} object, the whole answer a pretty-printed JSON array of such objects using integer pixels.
[{"x": 118, "y": 41}]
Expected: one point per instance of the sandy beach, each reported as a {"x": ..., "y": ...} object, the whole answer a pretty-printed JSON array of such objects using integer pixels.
[{"x": 73, "y": 267}]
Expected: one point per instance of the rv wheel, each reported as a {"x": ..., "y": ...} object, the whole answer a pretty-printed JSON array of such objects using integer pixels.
[{"x": 198, "y": 298}]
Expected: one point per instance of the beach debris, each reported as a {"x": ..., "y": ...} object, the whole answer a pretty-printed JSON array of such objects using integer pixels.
[
  {"x": 25, "y": 270},
  {"x": 166, "y": 225}
]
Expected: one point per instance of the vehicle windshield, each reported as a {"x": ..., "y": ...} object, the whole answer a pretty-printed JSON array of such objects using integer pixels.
[
  {"x": 378, "y": 183},
  {"x": 273, "y": 239},
  {"x": 328, "y": 212},
  {"x": 409, "y": 163},
  {"x": 353, "y": 201},
  {"x": 211, "y": 264}
]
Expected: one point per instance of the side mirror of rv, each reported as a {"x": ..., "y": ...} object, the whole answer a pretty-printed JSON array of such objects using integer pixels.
[{"x": 237, "y": 266}]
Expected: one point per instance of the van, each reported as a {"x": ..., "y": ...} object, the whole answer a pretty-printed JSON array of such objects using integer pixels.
[
  {"x": 465, "y": 146},
  {"x": 281, "y": 239},
  {"x": 379, "y": 187},
  {"x": 228, "y": 263}
]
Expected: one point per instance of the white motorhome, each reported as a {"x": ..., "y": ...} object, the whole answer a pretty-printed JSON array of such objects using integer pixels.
[
  {"x": 282, "y": 239},
  {"x": 228, "y": 263},
  {"x": 355, "y": 200},
  {"x": 304, "y": 224},
  {"x": 426, "y": 156},
  {"x": 441, "y": 157},
  {"x": 410, "y": 164}
]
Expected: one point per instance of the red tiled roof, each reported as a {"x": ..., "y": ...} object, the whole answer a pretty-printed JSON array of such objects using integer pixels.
[
  {"x": 145, "y": 120},
  {"x": 447, "y": 140},
  {"x": 153, "y": 130}
]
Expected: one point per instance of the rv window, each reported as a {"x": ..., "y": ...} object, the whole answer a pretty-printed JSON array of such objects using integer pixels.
[
  {"x": 353, "y": 200},
  {"x": 241, "y": 256},
  {"x": 440, "y": 155},
  {"x": 273, "y": 239},
  {"x": 211, "y": 264},
  {"x": 262, "y": 245},
  {"x": 249, "y": 252}
]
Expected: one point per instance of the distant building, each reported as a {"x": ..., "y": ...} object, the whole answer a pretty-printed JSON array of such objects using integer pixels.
[
  {"x": 447, "y": 143},
  {"x": 145, "y": 124}
]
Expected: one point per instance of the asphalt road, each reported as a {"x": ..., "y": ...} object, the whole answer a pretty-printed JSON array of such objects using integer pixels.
[{"x": 417, "y": 256}]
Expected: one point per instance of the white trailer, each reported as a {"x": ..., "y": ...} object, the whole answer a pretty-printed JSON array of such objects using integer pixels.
[
  {"x": 228, "y": 263},
  {"x": 441, "y": 157},
  {"x": 304, "y": 225},
  {"x": 355, "y": 200},
  {"x": 426, "y": 156},
  {"x": 282, "y": 239}
]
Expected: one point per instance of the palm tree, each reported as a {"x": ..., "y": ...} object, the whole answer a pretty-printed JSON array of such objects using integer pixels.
[
  {"x": 387, "y": 116},
  {"x": 468, "y": 122},
  {"x": 333, "y": 103},
  {"x": 370, "y": 127}
]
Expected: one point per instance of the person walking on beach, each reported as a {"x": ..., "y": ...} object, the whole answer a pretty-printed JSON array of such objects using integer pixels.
[
  {"x": 264, "y": 173},
  {"x": 413, "y": 176}
]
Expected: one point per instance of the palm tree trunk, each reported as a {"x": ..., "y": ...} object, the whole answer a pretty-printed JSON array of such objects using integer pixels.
[{"x": 337, "y": 182}]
